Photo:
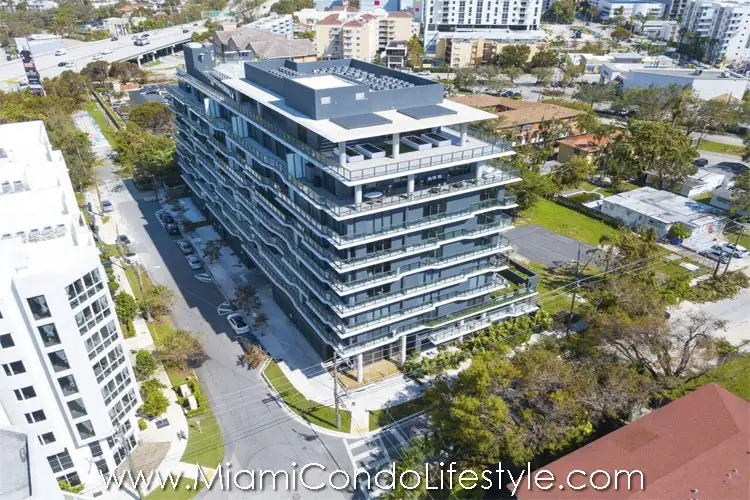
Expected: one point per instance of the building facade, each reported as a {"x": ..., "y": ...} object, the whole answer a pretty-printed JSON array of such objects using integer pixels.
[
  {"x": 630, "y": 8},
  {"x": 725, "y": 24},
  {"x": 373, "y": 209},
  {"x": 65, "y": 374},
  {"x": 499, "y": 19},
  {"x": 278, "y": 24},
  {"x": 705, "y": 84},
  {"x": 361, "y": 36},
  {"x": 479, "y": 47}
]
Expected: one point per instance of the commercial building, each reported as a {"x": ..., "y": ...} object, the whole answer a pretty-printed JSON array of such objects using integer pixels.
[
  {"x": 277, "y": 24},
  {"x": 630, "y": 8},
  {"x": 725, "y": 24},
  {"x": 661, "y": 30},
  {"x": 65, "y": 375},
  {"x": 249, "y": 44},
  {"x": 471, "y": 48},
  {"x": 361, "y": 36},
  {"x": 372, "y": 207},
  {"x": 705, "y": 83},
  {"x": 694, "y": 447},
  {"x": 525, "y": 122},
  {"x": 651, "y": 208},
  {"x": 498, "y": 20},
  {"x": 395, "y": 55},
  {"x": 621, "y": 65}
]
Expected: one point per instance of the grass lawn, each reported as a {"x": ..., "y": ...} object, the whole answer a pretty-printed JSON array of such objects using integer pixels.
[
  {"x": 81, "y": 200},
  {"x": 93, "y": 109},
  {"x": 564, "y": 221},
  {"x": 733, "y": 376},
  {"x": 381, "y": 418},
  {"x": 181, "y": 493},
  {"x": 313, "y": 412},
  {"x": 205, "y": 444},
  {"x": 553, "y": 304},
  {"x": 703, "y": 198},
  {"x": 607, "y": 191},
  {"x": 134, "y": 282},
  {"x": 718, "y": 147}
]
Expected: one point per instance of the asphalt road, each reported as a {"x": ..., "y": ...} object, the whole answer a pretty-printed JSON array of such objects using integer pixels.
[
  {"x": 545, "y": 247},
  {"x": 122, "y": 50},
  {"x": 258, "y": 433}
]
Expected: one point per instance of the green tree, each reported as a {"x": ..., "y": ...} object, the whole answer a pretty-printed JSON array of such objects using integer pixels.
[
  {"x": 153, "y": 116},
  {"x": 513, "y": 55},
  {"x": 592, "y": 93},
  {"x": 659, "y": 148},
  {"x": 155, "y": 403},
  {"x": 246, "y": 298},
  {"x": 151, "y": 156},
  {"x": 126, "y": 308},
  {"x": 415, "y": 52},
  {"x": 66, "y": 486},
  {"x": 465, "y": 77},
  {"x": 562, "y": 12},
  {"x": 652, "y": 103},
  {"x": 620, "y": 34},
  {"x": 512, "y": 73},
  {"x": 544, "y": 75},
  {"x": 212, "y": 250},
  {"x": 96, "y": 71},
  {"x": 741, "y": 194},
  {"x": 145, "y": 365},
  {"x": 156, "y": 301},
  {"x": 126, "y": 72},
  {"x": 70, "y": 85},
  {"x": 534, "y": 184},
  {"x": 571, "y": 72},
  {"x": 291, "y": 6},
  {"x": 545, "y": 58},
  {"x": 678, "y": 231},
  {"x": 574, "y": 171},
  {"x": 64, "y": 21},
  {"x": 260, "y": 322},
  {"x": 697, "y": 115},
  {"x": 619, "y": 18},
  {"x": 179, "y": 348}
]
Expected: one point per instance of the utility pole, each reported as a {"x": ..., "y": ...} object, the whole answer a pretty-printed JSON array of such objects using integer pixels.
[
  {"x": 126, "y": 447},
  {"x": 575, "y": 291},
  {"x": 336, "y": 391},
  {"x": 736, "y": 242}
]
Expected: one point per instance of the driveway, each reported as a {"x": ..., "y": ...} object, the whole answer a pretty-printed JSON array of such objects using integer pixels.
[
  {"x": 734, "y": 311},
  {"x": 258, "y": 433},
  {"x": 545, "y": 247}
]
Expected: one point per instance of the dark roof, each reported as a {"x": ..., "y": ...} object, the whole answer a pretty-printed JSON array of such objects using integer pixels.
[
  {"x": 699, "y": 442},
  {"x": 360, "y": 121},
  {"x": 430, "y": 111}
]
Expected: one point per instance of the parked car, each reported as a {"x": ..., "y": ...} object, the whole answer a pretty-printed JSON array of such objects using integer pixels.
[
  {"x": 186, "y": 31},
  {"x": 737, "y": 251},
  {"x": 700, "y": 162},
  {"x": 185, "y": 246},
  {"x": 60, "y": 52},
  {"x": 716, "y": 254},
  {"x": 238, "y": 323},
  {"x": 168, "y": 219},
  {"x": 131, "y": 258},
  {"x": 107, "y": 206},
  {"x": 124, "y": 240},
  {"x": 172, "y": 229},
  {"x": 194, "y": 262}
]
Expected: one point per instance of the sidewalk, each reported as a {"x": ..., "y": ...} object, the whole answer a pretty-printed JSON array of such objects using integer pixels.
[
  {"x": 295, "y": 357},
  {"x": 142, "y": 338}
]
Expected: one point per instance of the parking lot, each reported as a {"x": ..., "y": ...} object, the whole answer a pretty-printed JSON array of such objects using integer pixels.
[{"x": 545, "y": 247}]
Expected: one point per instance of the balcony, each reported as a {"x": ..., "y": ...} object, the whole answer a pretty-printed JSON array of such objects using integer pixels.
[{"x": 478, "y": 145}]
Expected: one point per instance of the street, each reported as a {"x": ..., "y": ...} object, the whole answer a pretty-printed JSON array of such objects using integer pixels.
[{"x": 258, "y": 433}]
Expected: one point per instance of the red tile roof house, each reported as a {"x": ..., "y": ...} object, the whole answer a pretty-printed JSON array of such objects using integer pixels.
[{"x": 695, "y": 448}]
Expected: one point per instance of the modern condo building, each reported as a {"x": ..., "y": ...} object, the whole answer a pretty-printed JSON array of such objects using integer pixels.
[
  {"x": 65, "y": 377},
  {"x": 366, "y": 199}
]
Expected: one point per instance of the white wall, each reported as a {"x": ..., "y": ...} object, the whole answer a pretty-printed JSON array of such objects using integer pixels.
[{"x": 703, "y": 88}]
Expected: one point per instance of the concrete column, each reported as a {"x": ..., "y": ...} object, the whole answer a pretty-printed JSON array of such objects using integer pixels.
[
  {"x": 342, "y": 153},
  {"x": 461, "y": 339},
  {"x": 360, "y": 368},
  {"x": 258, "y": 108},
  {"x": 479, "y": 170},
  {"x": 464, "y": 131},
  {"x": 396, "y": 145},
  {"x": 410, "y": 184},
  {"x": 403, "y": 350},
  {"x": 358, "y": 194},
  {"x": 138, "y": 61}
]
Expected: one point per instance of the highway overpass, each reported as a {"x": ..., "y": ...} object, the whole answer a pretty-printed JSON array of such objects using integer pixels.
[{"x": 162, "y": 40}]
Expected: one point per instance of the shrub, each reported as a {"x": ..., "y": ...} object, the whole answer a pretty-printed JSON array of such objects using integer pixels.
[
  {"x": 65, "y": 486},
  {"x": 155, "y": 403},
  {"x": 142, "y": 424},
  {"x": 724, "y": 286},
  {"x": 145, "y": 365},
  {"x": 254, "y": 356},
  {"x": 678, "y": 231}
]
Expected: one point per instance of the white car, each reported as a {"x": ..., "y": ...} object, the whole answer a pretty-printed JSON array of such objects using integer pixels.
[
  {"x": 737, "y": 251},
  {"x": 131, "y": 258},
  {"x": 185, "y": 246},
  {"x": 60, "y": 52},
  {"x": 194, "y": 262},
  {"x": 69, "y": 65},
  {"x": 96, "y": 57},
  {"x": 106, "y": 51},
  {"x": 238, "y": 323}
]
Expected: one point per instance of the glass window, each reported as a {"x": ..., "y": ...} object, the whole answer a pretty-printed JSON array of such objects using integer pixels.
[
  {"x": 77, "y": 408},
  {"x": 72, "y": 479},
  {"x": 47, "y": 438},
  {"x": 49, "y": 335},
  {"x": 60, "y": 461},
  {"x": 86, "y": 430},
  {"x": 68, "y": 385},
  {"x": 25, "y": 393},
  {"x": 96, "y": 449},
  {"x": 35, "y": 416},
  {"x": 6, "y": 341},
  {"x": 38, "y": 306},
  {"x": 14, "y": 368},
  {"x": 59, "y": 360}
]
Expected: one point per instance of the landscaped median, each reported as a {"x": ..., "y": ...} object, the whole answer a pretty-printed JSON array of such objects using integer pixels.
[{"x": 311, "y": 411}]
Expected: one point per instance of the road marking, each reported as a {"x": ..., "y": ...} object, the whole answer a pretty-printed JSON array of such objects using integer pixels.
[
  {"x": 204, "y": 278},
  {"x": 225, "y": 308}
]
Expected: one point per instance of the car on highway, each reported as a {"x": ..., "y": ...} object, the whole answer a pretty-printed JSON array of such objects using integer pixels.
[
  {"x": 107, "y": 206},
  {"x": 114, "y": 38},
  {"x": 60, "y": 52},
  {"x": 96, "y": 57},
  {"x": 185, "y": 246},
  {"x": 186, "y": 30},
  {"x": 62, "y": 64},
  {"x": 106, "y": 51},
  {"x": 195, "y": 24},
  {"x": 238, "y": 323},
  {"x": 194, "y": 262},
  {"x": 69, "y": 65}
]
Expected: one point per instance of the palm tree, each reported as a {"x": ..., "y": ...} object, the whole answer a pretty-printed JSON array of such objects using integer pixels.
[{"x": 261, "y": 321}]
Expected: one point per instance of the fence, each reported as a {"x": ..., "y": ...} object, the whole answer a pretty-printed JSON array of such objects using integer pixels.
[
  {"x": 590, "y": 212},
  {"x": 109, "y": 112}
]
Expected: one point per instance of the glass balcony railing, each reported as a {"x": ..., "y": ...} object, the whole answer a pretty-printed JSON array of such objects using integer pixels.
[{"x": 493, "y": 146}]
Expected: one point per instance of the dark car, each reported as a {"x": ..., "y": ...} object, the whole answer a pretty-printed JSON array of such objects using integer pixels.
[
  {"x": 123, "y": 239},
  {"x": 114, "y": 39},
  {"x": 168, "y": 219},
  {"x": 61, "y": 64},
  {"x": 186, "y": 31},
  {"x": 172, "y": 228},
  {"x": 195, "y": 24},
  {"x": 700, "y": 162}
]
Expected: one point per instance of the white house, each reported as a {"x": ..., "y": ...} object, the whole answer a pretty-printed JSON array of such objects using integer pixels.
[
  {"x": 64, "y": 373},
  {"x": 700, "y": 182},
  {"x": 705, "y": 83},
  {"x": 650, "y": 208}
]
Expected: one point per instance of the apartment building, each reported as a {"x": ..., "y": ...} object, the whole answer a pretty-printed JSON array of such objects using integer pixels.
[
  {"x": 725, "y": 24},
  {"x": 361, "y": 36},
  {"x": 630, "y": 8},
  {"x": 479, "y": 47},
  {"x": 278, "y": 24},
  {"x": 250, "y": 44},
  {"x": 372, "y": 207},
  {"x": 501, "y": 18},
  {"x": 65, "y": 374}
]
